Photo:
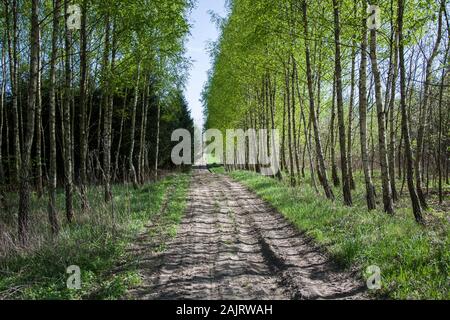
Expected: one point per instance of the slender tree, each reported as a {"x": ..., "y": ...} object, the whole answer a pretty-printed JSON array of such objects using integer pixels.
[
  {"x": 52, "y": 179},
  {"x": 312, "y": 109},
  {"x": 3, "y": 114},
  {"x": 39, "y": 182},
  {"x": 107, "y": 108},
  {"x": 119, "y": 144},
  {"x": 68, "y": 164},
  {"x": 158, "y": 119},
  {"x": 340, "y": 106},
  {"x": 392, "y": 129},
  {"x": 12, "y": 27},
  {"x": 84, "y": 132},
  {"x": 442, "y": 153},
  {"x": 350, "y": 111},
  {"x": 423, "y": 110},
  {"x": 133, "y": 129},
  {"x": 334, "y": 173},
  {"x": 381, "y": 117},
  {"x": 370, "y": 189},
  {"x": 417, "y": 209},
  {"x": 25, "y": 168},
  {"x": 142, "y": 131}
]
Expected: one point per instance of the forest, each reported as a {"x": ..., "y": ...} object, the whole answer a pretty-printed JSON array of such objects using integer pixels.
[
  {"x": 91, "y": 91},
  {"x": 84, "y": 107},
  {"x": 91, "y": 107},
  {"x": 298, "y": 68},
  {"x": 361, "y": 101}
]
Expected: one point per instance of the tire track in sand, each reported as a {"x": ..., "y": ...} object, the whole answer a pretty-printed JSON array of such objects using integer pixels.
[{"x": 232, "y": 245}]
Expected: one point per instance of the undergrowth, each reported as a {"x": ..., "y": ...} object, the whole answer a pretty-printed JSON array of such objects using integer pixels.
[
  {"x": 96, "y": 242},
  {"x": 414, "y": 259}
]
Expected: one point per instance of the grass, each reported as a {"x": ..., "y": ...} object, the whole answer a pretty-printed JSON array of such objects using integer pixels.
[
  {"x": 414, "y": 259},
  {"x": 96, "y": 242}
]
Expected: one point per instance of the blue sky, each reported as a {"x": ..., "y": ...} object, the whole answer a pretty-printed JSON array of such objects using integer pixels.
[{"x": 202, "y": 31}]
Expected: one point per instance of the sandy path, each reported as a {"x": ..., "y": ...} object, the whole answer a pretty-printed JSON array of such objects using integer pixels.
[{"x": 232, "y": 245}]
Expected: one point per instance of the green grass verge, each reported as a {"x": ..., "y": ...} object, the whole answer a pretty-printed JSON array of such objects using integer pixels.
[
  {"x": 96, "y": 242},
  {"x": 414, "y": 260}
]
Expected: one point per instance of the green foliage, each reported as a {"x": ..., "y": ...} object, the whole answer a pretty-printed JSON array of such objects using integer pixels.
[{"x": 259, "y": 37}]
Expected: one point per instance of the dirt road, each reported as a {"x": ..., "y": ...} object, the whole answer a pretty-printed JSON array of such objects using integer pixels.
[{"x": 232, "y": 245}]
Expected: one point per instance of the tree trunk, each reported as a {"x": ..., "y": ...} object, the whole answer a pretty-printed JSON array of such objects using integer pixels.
[
  {"x": 340, "y": 107},
  {"x": 52, "y": 214},
  {"x": 272, "y": 120},
  {"x": 294, "y": 116},
  {"x": 370, "y": 189},
  {"x": 350, "y": 116},
  {"x": 392, "y": 130},
  {"x": 417, "y": 209},
  {"x": 68, "y": 165},
  {"x": 142, "y": 133},
  {"x": 288, "y": 106},
  {"x": 283, "y": 137},
  {"x": 3, "y": 114},
  {"x": 157, "y": 137},
  {"x": 39, "y": 184},
  {"x": 107, "y": 111},
  {"x": 84, "y": 133},
  {"x": 306, "y": 131},
  {"x": 334, "y": 174},
  {"x": 25, "y": 169},
  {"x": 423, "y": 110},
  {"x": 133, "y": 129},
  {"x": 3, "y": 121},
  {"x": 381, "y": 117},
  {"x": 441, "y": 153},
  {"x": 323, "y": 173},
  {"x": 119, "y": 144},
  {"x": 14, "y": 83}
]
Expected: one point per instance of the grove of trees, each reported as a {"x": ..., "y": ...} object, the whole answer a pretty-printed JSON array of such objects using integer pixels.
[
  {"x": 93, "y": 105},
  {"x": 344, "y": 95}
]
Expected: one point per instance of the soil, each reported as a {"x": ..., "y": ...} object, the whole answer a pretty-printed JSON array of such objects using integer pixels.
[{"x": 232, "y": 245}]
